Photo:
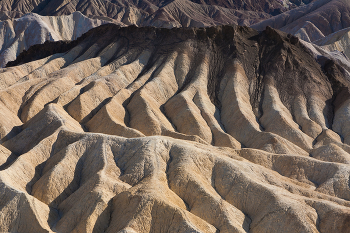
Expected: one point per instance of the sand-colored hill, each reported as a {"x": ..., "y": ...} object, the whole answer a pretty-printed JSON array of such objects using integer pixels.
[{"x": 182, "y": 130}]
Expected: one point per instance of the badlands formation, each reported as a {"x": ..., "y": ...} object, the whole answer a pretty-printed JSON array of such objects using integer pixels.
[
  {"x": 54, "y": 20},
  {"x": 160, "y": 13},
  {"x": 17, "y": 35},
  {"x": 338, "y": 41},
  {"x": 313, "y": 21},
  {"x": 222, "y": 129}
]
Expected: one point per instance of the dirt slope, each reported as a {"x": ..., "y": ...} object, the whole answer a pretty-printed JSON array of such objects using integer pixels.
[
  {"x": 165, "y": 13},
  {"x": 313, "y": 21},
  {"x": 18, "y": 35},
  {"x": 182, "y": 130}
]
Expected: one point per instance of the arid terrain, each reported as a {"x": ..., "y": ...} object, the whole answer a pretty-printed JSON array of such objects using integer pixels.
[
  {"x": 313, "y": 21},
  {"x": 20, "y": 34},
  {"x": 164, "y": 13},
  {"x": 138, "y": 116},
  {"x": 24, "y": 23},
  {"x": 220, "y": 129}
]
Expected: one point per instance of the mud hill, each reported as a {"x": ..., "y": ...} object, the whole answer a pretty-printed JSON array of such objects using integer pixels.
[
  {"x": 165, "y": 13},
  {"x": 175, "y": 130},
  {"x": 313, "y": 21},
  {"x": 338, "y": 41},
  {"x": 20, "y": 34}
]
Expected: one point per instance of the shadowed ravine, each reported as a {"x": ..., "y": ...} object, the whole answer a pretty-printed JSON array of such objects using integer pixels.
[{"x": 222, "y": 129}]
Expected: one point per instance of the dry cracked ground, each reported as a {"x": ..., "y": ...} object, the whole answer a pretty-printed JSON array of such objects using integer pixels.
[{"x": 222, "y": 129}]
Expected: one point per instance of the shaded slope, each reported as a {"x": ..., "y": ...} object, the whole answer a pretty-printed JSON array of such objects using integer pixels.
[
  {"x": 270, "y": 63},
  {"x": 271, "y": 7},
  {"x": 313, "y": 21},
  {"x": 46, "y": 6},
  {"x": 188, "y": 14},
  {"x": 159, "y": 13},
  {"x": 338, "y": 41},
  {"x": 190, "y": 130},
  {"x": 20, "y": 34}
]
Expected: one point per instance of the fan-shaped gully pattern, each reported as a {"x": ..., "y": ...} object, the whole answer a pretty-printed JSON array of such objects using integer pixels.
[{"x": 183, "y": 130}]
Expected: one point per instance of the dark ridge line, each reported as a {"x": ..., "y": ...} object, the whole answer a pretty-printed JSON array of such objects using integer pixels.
[
  {"x": 48, "y": 48},
  {"x": 226, "y": 41},
  {"x": 40, "y": 51}
]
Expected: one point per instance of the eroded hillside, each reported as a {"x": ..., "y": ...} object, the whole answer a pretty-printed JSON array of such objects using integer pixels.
[
  {"x": 160, "y": 13},
  {"x": 20, "y": 34},
  {"x": 313, "y": 21},
  {"x": 165, "y": 130}
]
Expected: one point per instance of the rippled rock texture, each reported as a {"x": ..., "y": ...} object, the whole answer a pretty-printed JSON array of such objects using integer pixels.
[{"x": 182, "y": 130}]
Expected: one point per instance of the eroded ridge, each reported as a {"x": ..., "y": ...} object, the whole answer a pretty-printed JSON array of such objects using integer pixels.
[{"x": 190, "y": 130}]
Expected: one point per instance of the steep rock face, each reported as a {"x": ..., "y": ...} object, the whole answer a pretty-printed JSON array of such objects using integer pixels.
[
  {"x": 190, "y": 130},
  {"x": 313, "y": 21},
  {"x": 20, "y": 34}
]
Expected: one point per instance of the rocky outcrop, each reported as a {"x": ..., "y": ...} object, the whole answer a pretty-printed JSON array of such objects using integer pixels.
[{"x": 189, "y": 130}]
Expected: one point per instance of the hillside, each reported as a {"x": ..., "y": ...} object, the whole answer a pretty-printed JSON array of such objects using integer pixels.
[
  {"x": 313, "y": 21},
  {"x": 18, "y": 35},
  {"x": 166, "y": 13},
  {"x": 220, "y": 129},
  {"x": 338, "y": 41}
]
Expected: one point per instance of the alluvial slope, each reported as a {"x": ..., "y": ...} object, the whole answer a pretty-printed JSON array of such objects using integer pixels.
[
  {"x": 313, "y": 21},
  {"x": 182, "y": 130},
  {"x": 167, "y": 13},
  {"x": 19, "y": 34}
]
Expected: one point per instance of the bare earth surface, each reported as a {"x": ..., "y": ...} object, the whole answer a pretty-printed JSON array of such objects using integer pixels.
[
  {"x": 163, "y": 13},
  {"x": 313, "y": 21},
  {"x": 25, "y": 22},
  {"x": 222, "y": 129},
  {"x": 17, "y": 35},
  {"x": 338, "y": 41}
]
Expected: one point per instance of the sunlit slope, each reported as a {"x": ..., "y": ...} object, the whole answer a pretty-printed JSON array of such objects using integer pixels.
[{"x": 175, "y": 130}]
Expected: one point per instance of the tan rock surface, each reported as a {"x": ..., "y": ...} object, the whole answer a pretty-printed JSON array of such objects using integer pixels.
[{"x": 182, "y": 130}]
